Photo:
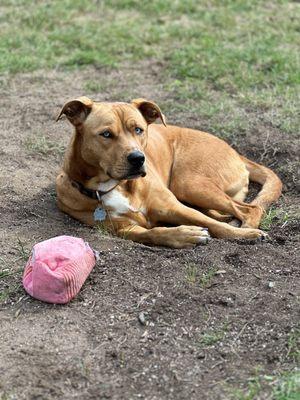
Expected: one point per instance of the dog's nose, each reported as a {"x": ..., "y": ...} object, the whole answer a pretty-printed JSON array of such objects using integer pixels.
[{"x": 136, "y": 158}]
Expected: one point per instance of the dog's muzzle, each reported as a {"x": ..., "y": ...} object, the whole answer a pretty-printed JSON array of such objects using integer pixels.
[{"x": 136, "y": 160}]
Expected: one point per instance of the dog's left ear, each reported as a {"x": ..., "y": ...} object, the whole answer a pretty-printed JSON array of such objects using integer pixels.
[
  {"x": 76, "y": 110},
  {"x": 149, "y": 110}
]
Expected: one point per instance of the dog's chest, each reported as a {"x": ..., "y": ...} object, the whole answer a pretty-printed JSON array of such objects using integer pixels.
[{"x": 117, "y": 202}]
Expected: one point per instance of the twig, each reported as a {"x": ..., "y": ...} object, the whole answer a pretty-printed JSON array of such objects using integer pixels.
[{"x": 242, "y": 330}]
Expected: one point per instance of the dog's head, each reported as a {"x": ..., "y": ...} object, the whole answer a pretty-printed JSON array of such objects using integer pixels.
[{"x": 112, "y": 136}]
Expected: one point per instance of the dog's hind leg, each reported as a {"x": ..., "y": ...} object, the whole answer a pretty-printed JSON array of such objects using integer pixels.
[
  {"x": 219, "y": 216},
  {"x": 203, "y": 193}
]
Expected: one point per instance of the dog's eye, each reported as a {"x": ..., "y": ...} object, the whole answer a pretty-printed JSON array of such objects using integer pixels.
[
  {"x": 106, "y": 134},
  {"x": 138, "y": 130}
]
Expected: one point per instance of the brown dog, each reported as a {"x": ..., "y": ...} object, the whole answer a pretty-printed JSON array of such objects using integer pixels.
[{"x": 135, "y": 177}]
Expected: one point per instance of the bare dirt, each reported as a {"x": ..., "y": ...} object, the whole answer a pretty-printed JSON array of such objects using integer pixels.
[{"x": 215, "y": 316}]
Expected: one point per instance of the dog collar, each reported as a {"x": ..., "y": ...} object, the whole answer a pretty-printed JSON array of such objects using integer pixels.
[{"x": 91, "y": 193}]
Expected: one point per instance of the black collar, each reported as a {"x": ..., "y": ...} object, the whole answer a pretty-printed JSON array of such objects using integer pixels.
[{"x": 91, "y": 193}]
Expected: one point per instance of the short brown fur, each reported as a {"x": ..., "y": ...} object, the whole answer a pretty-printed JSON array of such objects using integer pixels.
[{"x": 183, "y": 166}]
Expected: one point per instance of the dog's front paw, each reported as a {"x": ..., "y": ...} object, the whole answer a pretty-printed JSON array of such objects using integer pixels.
[
  {"x": 185, "y": 236},
  {"x": 255, "y": 234}
]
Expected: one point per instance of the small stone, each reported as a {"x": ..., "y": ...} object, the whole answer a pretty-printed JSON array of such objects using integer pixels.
[
  {"x": 142, "y": 318},
  {"x": 271, "y": 285}
]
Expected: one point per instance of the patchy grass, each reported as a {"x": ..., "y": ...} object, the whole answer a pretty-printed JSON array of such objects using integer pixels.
[
  {"x": 8, "y": 272},
  {"x": 7, "y": 292},
  {"x": 22, "y": 250},
  {"x": 93, "y": 86},
  {"x": 193, "y": 277},
  {"x": 213, "y": 336},
  {"x": 8, "y": 269},
  {"x": 40, "y": 144},
  {"x": 294, "y": 344},
  {"x": 207, "y": 277},
  {"x": 222, "y": 60},
  {"x": 285, "y": 386},
  {"x": 274, "y": 215},
  {"x": 191, "y": 273}
]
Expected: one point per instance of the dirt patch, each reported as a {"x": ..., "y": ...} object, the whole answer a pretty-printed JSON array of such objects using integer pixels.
[{"x": 149, "y": 323}]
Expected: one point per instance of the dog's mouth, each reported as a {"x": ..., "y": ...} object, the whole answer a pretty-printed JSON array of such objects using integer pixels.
[
  {"x": 140, "y": 174},
  {"x": 131, "y": 174},
  {"x": 135, "y": 173}
]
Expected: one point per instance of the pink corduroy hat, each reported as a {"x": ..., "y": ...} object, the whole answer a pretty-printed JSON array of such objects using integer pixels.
[{"x": 57, "y": 269}]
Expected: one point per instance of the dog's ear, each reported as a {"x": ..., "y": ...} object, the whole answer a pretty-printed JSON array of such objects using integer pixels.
[
  {"x": 76, "y": 110},
  {"x": 149, "y": 110}
]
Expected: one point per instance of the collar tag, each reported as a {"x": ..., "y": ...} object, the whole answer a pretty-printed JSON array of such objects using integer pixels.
[{"x": 99, "y": 214}]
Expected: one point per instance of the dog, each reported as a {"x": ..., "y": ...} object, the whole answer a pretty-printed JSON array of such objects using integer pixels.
[{"x": 157, "y": 184}]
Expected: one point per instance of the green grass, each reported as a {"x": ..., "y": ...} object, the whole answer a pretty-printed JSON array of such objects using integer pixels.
[
  {"x": 294, "y": 345},
  {"x": 224, "y": 60},
  {"x": 204, "y": 280},
  {"x": 207, "y": 277},
  {"x": 285, "y": 386},
  {"x": 212, "y": 337},
  {"x": 40, "y": 144},
  {"x": 191, "y": 273},
  {"x": 93, "y": 86},
  {"x": 6, "y": 396},
  {"x": 274, "y": 215}
]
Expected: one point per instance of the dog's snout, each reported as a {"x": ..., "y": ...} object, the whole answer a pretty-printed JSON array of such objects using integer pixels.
[{"x": 136, "y": 159}]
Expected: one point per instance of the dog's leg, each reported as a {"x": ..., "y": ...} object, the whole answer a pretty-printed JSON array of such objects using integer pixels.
[
  {"x": 218, "y": 216},
  {"x": 166, "y": 208},
  {"x": 177, "y": 237},
  {"x": 205, "y": 194}
]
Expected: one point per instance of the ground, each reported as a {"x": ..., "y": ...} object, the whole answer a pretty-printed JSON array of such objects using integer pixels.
[{"x": 216, "y": 322}]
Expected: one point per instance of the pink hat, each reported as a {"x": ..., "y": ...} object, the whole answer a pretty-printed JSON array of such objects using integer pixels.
[{"x": 57, "y": 268}]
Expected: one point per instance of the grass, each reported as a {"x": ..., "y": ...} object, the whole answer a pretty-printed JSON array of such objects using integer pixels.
[
  {"x": 212, "y": 337},
  {"x": 274, "y": 215},
  {"x": 6, "y": 396},
  {"x": 93, "y": 86},
  {"x": 191, "y": 273},
  {"x": 285, "y": 386},
  {"x": 11, "y": 290},
  {"x": 102, "y": 229},
  {"x": 294, "y": 344},
  {"x": 204, "y": 280},
  {"x": 224, "y": 60},
  {"x": 8, "y": 270},
  {"x": 22, "y": 250},
  {"x": 206, "y": 277},
  {"x": 40, "y": 144}
]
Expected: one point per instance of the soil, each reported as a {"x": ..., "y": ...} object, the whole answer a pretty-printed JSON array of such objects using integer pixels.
[{"x": 149, "y": 323}]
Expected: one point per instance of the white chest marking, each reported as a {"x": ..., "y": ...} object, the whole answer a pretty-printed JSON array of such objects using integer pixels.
[{"x": 118, "y": 202}]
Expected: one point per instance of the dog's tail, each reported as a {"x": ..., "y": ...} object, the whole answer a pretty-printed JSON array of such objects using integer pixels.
[{"x": 271, "y": 184}]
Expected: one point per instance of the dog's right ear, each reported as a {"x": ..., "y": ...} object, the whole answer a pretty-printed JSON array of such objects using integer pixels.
[
  {"x": 76, "y": 110},
  {"x": 149, "y": 110}
]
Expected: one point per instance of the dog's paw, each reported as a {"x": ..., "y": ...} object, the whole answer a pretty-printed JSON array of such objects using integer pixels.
[
  {"x": 185, "y": 236},
  {"x": 263, "y": 236},
  {"x": 250, "y": 233}
]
